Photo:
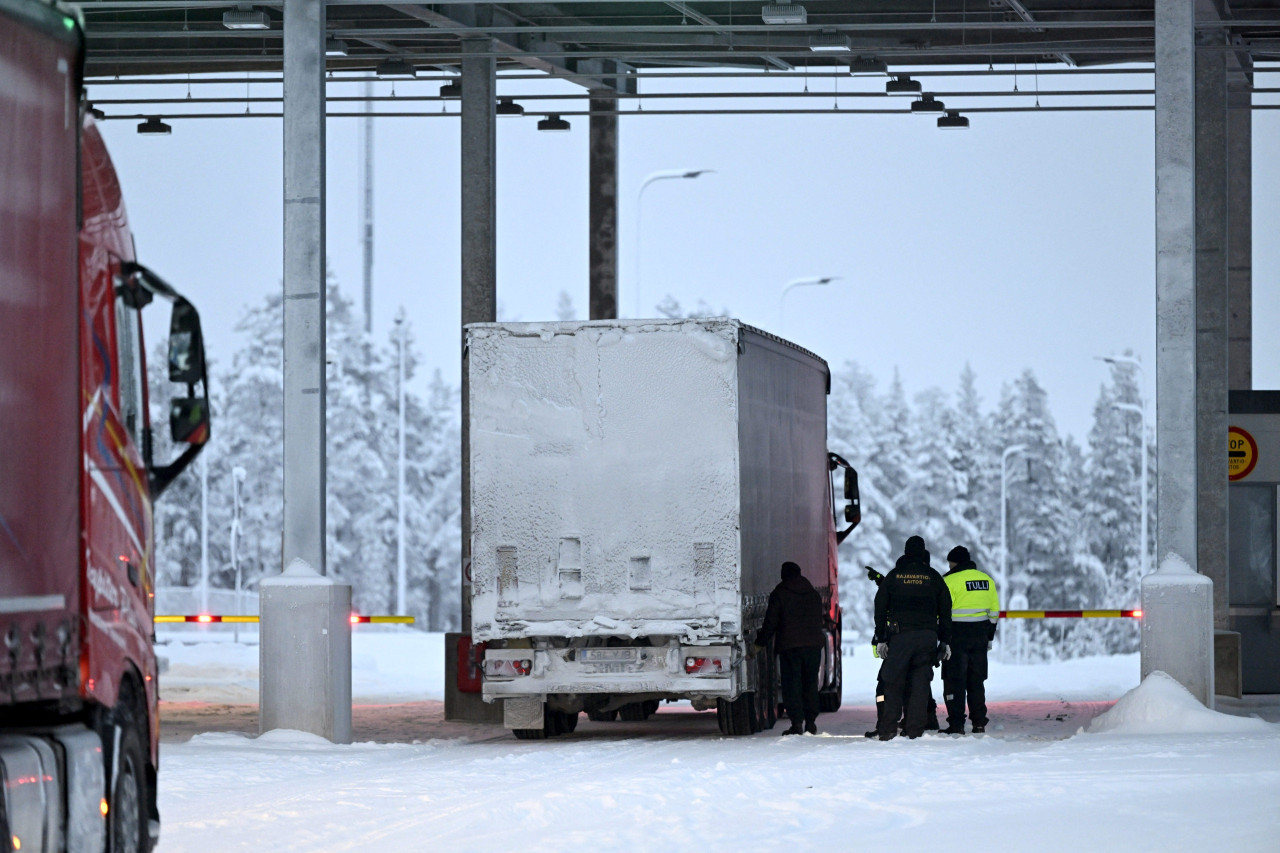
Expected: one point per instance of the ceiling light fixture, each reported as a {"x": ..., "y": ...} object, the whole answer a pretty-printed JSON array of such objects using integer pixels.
[
  {"x": 829, "y": 41},
  {"x": 553, "y": 122},
  {"x": 335, "y": 47},
  {"x": 784, "y": 13},
  {"x": 153, "y": 126},
  {"x": 953, "y": 121},
  {"x": 246, "y": 18},
  {"x": 927, "y": 105},
  {"x": 451, "y": 90},
  {"x": 508, "y": 107},
  {"x": 867, "y": 65},
  {"x": 395, "y": 67},
  {"x": 902, "y": 84}
]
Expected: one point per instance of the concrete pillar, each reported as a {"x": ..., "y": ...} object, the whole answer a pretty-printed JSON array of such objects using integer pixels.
[
  {"x": 304, "y": 284},
  {"x": 305, "y": 653},
  {"x": 603, "y": 206},
  {"x": 1211, "y": 318},
  {"x": 1177, "y": 630},
  {"x": 479, "y": 302},
  {"x": 1240, "y": 231}
]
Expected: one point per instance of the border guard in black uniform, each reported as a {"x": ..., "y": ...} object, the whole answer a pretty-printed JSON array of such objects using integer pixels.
[{"x": 913, "y": 622}]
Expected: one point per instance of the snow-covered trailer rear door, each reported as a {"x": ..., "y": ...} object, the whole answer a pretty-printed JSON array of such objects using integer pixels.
[{"x": 604, "y": 470}]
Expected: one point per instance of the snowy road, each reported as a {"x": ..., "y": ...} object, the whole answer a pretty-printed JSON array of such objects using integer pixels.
[{"x": 672, "y": 783}]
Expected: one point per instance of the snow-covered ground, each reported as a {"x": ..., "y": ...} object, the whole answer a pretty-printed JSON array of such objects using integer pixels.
[{"x": 1060, "y": 769}]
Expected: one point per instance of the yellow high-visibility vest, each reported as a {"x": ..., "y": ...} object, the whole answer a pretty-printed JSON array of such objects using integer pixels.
[{"x": 973, "y": 596}]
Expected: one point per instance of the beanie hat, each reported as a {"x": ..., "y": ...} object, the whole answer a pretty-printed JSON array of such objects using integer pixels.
[
  {"x": 915, "y": 547},
  {"x": 958, "y": 554},
  {"x": 790, "y": 570}
]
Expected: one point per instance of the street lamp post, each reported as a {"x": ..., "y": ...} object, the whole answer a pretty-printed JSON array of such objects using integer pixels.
[
  {"x": 1004, "y": 516},
  {"x": 791, "y": 285},
  {"x": 204, "y": 533},
  {"x": 666, "y": 174},
  {"x": 400, "y": 570},
  {"x": 238, "y": 475},
  {"x": 1141, "y": 409}
]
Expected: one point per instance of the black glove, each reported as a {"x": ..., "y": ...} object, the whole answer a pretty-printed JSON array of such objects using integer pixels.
[{"x": 873, "y": 575}]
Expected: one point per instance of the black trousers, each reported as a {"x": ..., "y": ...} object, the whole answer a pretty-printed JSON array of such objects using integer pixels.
[
  {"x": 910, "y": 661},
  {"x": 964, "y": 674},
  {"x": 799, "y": 671},
  {"x": 931, "y": 708}
]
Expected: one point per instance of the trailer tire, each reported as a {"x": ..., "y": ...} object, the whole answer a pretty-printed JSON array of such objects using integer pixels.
[
  {"x": 737, "y": 718},
  {"x": 765, "y": 692},
  {"x": 634, "y": 712}
]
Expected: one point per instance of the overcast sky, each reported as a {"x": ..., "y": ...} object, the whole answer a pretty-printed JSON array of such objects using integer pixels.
[{"x": 1026, "y": 241}]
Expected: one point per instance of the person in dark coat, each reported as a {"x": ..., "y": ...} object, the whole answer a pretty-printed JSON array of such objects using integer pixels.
[
  {"x": 794, "y": 621},
  {"x": 913, "y": 623},
  {"x": 931, "y": 711}
]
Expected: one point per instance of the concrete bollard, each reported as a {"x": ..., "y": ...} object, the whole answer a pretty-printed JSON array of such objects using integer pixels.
[
  {"x": 1177, "y": 626},
  {"x": 304, "y": 664}
]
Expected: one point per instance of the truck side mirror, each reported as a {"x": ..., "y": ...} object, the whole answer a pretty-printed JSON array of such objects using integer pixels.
[
  {"x": 186, "y": 345},
  {"x": 851, "y": 485},
  {"x": 189, "y": 420}
]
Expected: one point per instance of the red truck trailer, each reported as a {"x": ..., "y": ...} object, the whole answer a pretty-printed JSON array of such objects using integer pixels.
[{"x": 79, "y": 731}]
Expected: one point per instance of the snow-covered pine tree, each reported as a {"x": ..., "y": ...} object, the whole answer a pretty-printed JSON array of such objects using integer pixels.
[
  {"x": 1113, "y": 500},
  {"x": 564, "y": 307},
  {"x": 360, "y": 469},
  {"x": 934, "y": 483},
  {"x": 1041, "y": 543},
  {"x": 974, "y": 505},
  {"x": 854, "y": 431},
  {"x": 434, "y": 486}
]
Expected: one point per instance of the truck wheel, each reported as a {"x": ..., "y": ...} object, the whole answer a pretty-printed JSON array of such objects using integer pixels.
[
  {"x": 651, "y": 707},
  {"x": 829, "y": 699},
  {"x": 736, "y": 717},
  {"x": 764, "y": 693},
  {"x": 633, "y": 712},
  {"x": 127, "y": 805}
]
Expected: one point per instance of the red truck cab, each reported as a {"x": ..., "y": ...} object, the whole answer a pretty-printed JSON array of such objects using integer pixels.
[{"x": 79, "y": 730}]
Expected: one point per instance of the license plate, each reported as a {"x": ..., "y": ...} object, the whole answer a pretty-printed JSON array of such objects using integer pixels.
[{"x": 630, "y": 655}]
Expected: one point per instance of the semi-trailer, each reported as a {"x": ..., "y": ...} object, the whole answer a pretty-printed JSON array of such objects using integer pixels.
[{"x": 635, "y": 487}]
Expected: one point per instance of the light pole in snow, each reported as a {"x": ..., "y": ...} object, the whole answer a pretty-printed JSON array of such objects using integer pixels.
[
  {"x": 238, "y": 475},
  {"x": 204, "y": 533},
  {"x": 666, "y": 174},
  {"x": 400, "y": 571},
  {"x": 1141, "y": 408},
  {"x": 791, "y": 285},
  {"x": 1004, "y": 518}
]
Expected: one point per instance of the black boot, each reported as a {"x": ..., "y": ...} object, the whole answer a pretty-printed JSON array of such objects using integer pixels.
[{"x": 811, "y": 727}]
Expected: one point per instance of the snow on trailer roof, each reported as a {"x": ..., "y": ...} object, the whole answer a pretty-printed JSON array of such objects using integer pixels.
[{"x": 565, "y": 327}]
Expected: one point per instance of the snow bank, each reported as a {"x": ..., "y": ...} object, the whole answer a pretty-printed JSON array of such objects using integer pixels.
[{"x": 1161, "y": 706}]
